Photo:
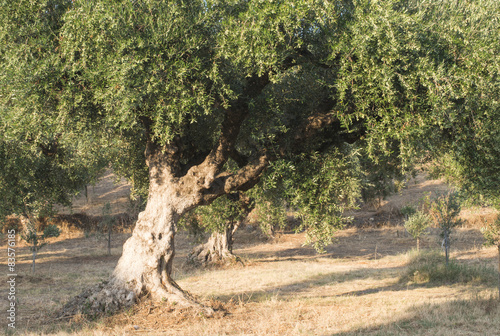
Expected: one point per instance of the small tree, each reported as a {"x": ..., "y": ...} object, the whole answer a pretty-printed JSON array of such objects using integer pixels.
[
  {"x": 36, "y": 240},
  {"x": 107, "y": 223},
  {"x": 444, "y": 211},
  {"x": 416, "y": 225},
  {"x": 492, "y": 235}
]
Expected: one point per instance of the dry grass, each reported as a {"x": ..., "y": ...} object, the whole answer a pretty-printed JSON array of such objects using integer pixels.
[
  {"x": 357, "y": 288},
  {"x": 275, "y": 294}
]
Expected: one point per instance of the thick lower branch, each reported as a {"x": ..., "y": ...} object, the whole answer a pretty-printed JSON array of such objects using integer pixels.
[{"x": 244, "y": 179}]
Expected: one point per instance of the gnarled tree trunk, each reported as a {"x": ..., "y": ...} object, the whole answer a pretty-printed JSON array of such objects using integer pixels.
[
  {"x": 218, "y": 249},
  {"x": 145, "y": 266}
]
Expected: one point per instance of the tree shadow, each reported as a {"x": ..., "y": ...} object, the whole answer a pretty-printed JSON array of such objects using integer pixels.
[
  {"x": 397, "y": 276},
  {"x": 331, "y": 278}
]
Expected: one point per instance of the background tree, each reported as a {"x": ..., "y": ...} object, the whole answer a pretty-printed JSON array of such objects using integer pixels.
[
  {"x": 444, "y": 211},
  {"x": 416, "y": 224},
  {"x": 37, "y": 173},
  {"x": 196, "y": 84},
  {"x": 222, "y": 218},
  {"x": 37, "y": 241},
  {"x": 382, "y": 173}
]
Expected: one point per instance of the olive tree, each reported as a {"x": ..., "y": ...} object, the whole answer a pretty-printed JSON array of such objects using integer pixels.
[
  {"x": 416, "y": 224},
  {"x": 37, "y": 240},
  {"x": 222, "y": 218},
  {"x": 444, "y": 211},
  {"x": 200, "y": 87}
]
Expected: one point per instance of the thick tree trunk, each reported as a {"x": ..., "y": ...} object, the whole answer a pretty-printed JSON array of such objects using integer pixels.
[
  {"x": 145, "y": 266},
  {"x": 218, "y": 249}
]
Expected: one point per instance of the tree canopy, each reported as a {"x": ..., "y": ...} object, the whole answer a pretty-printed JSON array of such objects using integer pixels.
[{"x": 390, "y": 69}]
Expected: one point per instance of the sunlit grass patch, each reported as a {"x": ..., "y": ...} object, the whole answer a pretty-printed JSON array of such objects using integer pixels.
[{"x": 477, "y": 315}]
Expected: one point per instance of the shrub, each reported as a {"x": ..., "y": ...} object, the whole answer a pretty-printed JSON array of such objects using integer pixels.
[{"x": 428, "y": 268}]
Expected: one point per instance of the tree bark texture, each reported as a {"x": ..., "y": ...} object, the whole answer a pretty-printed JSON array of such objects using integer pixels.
[
  {"x": 218, "y": 249},
  {"x": 145, "y": 266}
]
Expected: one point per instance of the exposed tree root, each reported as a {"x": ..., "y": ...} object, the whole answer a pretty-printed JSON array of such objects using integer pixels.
[{"x": 106, "y": 299}]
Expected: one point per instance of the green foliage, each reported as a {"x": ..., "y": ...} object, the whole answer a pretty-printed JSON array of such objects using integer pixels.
[
  {"x": 37, "y": 241},
  {"x": 214, "y": 217},
  {"x": 416, "y": 224},
  {"x": 382, "y": 172},
  {"x": 428, "y": 268},
  {"x": 452, "y": 171},
  {"x": 469, "y": 119},
  {"x": 271, "y": 196},
  {"x": 444, "y": 211},
  {"x": 323, "y": 186},
  {"x": 317, "y": 187},
  {"x": 33, "y": 180},
  {"x": 427, "y": 77}
]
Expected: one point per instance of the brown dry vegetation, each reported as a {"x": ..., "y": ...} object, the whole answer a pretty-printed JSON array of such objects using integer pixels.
[{"x": 282, "y": 288}]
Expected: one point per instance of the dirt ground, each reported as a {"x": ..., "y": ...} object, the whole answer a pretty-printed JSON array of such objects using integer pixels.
[{"x": 280, "y": 288}]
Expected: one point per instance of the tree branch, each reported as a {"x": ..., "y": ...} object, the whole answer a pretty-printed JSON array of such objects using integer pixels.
[
  {"x": 230, "y": 129},
  {"x": 244, "y": 179}
]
